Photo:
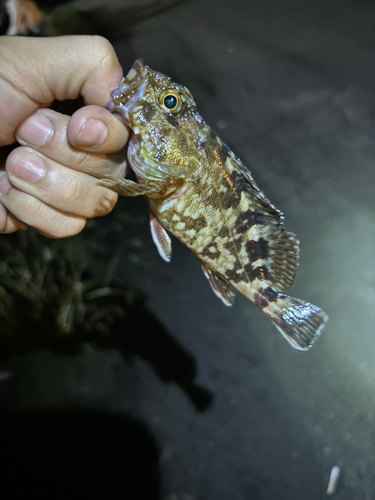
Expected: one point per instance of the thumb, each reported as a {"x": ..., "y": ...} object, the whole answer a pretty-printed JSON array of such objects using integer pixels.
[{"x": 36, "y": 71}]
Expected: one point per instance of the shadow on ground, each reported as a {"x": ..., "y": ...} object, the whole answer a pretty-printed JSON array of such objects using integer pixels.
[
  {"x": 88, "y": 452},
  {"x": 140, "y": 334},
  {"x": 61, "y": 295}
]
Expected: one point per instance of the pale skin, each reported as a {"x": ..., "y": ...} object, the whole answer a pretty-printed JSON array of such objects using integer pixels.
[{"x": 49, "y": 181}]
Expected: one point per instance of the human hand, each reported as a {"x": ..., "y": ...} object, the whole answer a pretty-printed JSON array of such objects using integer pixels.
[{"x": 49, "y": 182}]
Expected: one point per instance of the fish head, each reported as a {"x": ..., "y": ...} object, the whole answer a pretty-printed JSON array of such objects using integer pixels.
[{"x": 161, "y": 116}]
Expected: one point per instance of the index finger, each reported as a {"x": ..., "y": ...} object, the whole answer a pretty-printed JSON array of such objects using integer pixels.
[{"x": 36, "y": 71}]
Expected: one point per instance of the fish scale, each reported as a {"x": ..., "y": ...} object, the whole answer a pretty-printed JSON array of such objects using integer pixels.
[{"x": 202, "y": 194}]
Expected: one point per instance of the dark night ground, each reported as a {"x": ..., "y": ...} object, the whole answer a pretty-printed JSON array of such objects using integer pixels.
[{"x": 212, "y": 400}]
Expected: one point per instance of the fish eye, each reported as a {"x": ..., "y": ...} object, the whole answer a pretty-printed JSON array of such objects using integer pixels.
[{"x": 171, "y": 101}]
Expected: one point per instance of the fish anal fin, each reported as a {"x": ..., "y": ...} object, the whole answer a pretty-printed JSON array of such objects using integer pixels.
[
  {"x": 220, "y": 287},
  {"x": 161, "y": 238}
]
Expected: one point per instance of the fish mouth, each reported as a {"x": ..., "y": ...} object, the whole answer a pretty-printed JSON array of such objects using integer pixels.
[{"x": 129, "y": 92}]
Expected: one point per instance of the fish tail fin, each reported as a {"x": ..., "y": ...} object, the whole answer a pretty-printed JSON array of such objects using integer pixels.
[{"x": 299, "y": 322}]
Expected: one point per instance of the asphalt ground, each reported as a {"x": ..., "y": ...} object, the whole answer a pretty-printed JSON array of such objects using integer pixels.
[{"x": 210, "y": 403}]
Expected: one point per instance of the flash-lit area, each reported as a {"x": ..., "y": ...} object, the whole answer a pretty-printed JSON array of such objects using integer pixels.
[{"x": 121, "y": 370}]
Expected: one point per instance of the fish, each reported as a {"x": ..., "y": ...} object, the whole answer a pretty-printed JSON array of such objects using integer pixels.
[{"x": 201, "y": 193}]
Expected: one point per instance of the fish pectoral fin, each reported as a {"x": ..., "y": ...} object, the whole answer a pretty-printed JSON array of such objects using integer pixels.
[
  {"x": 220, "y": 287},
  {"x": 126, "y": 187},
  {"x": 161, "y": 238},
  {"x": 283, "y": 259}
]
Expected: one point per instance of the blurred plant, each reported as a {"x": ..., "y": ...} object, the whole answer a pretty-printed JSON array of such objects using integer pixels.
[{"x": 53, "y": 289}]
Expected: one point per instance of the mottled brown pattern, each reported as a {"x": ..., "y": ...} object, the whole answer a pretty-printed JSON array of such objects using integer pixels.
[
  {"x": 148, "y": 113},
  {"x": 265, "y": 296},
  {"x": 172, "y": 120},
  {"x": 231, "y": 246},
  {"x": 232, "y": 199},
  {"x": 240, "y": 184},
  {"x": 223, "y": 152},
  {"x": 190, "y": 223},
  {"x": 211, "y": 143},
  {"x": 211, "y": 202},
  {"x": 257, "y": 249},
  {"x": 211, "y": 251},
  {"x": 261, "y": 272},
  {"x": 247, "y": 219},
  {"x": 233, "y": 276},
  {"x": 223, "y": 232}
]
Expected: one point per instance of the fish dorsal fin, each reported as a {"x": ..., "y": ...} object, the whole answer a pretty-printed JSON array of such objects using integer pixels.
[
  {"x": 270, "y": 245},
  {"x": 259, "y": 203}
]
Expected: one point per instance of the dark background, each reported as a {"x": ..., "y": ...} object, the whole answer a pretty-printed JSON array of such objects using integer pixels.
[{"x": 196, "y": 401}]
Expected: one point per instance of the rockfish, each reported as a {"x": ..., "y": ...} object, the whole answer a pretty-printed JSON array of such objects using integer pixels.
[{"x": 201, "y": 193}]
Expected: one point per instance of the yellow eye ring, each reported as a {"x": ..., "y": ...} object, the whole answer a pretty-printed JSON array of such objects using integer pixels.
[{"x": 171, "y": 101}]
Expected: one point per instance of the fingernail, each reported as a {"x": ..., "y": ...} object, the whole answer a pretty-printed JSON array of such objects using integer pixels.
[
  {"x": 4, "y": 184},
  {"x": 93, "y": 134},
  {"x": 28, "y": 167},
  {"x": 35, "y": 130}
]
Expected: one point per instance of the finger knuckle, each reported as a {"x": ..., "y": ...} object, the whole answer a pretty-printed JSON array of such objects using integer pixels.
[
  {"x": 71, "y": 192},
  {"x": 104, "y": 46},
  {"x": 33, "y": 208},
  {"x": 82, "y": 162}
]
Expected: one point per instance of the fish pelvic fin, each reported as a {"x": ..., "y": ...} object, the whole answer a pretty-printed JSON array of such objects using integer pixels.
[{"x": 299, "y": 322}]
